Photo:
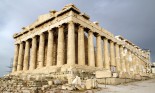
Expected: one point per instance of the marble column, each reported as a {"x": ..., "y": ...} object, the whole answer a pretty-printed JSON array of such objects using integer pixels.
[
  {"x": 135, "y": 64},
  {"x": 99, "y": 61},
  {"x": 20, "y": 57},
  {"x": 15, "y": 61},
  {"x": 81, "y": 47},
  {"x": 41, "y": 50},
  {"x": 130, "y": 61},
  {"x": 91, "y": 57},
  {"x": 60, "y": 50},
  {"x": 26, "y": 56},
  {"x": 122, "y": 59},
  {"x": 106, "y": 54},
  {"x": 33, "y": 58},
  {"x": 127, "y": 60},
  {"x": 112, "y": 57},
  {"x": 50, "y": 48},
  {"x": 118, "y": 64},
  {"x": 71, "y": 44}
]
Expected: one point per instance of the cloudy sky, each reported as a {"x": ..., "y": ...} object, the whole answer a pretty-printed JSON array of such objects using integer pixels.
[{"x": 133, "y": 19}]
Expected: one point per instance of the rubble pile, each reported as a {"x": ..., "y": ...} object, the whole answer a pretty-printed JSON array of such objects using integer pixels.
[{"x": 31, "y": 84}]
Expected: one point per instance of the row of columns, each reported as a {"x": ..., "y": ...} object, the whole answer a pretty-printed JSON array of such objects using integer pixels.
[
  {"x": 111, "y": 58},
  {"x": 22, "y": 56}
]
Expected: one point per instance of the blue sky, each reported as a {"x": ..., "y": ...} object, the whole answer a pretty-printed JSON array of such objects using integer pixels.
[{"x": 133, "y": 19}]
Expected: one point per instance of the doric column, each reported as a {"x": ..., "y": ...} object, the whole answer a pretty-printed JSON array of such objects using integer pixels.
[
  {"x": 130, "y": 60},
  {"x": 135, "y": 63},
  {"x": 118, "y": 64},
  {"x": 91, "y": 57},
  {"x": 106, "y": 54},
  {"x": 41, "y": 50},
  {"x": 26, "y": 56},
  {"x": 60, "y": 50},
  {"x": 20, "y": 57},
  {"x": 71, "y": 44},
  {"x": 81, "y": 47},
  {"x": 50, "y": 48},
  {"x": 127, "y": 60},
  {"x": 99, "y": 60},
  {"x": 33, "y": 59},
  {"x": 122, "y": 59},
  {"x": 15, "y": 61},
  {"x": 112, "y": 56}
]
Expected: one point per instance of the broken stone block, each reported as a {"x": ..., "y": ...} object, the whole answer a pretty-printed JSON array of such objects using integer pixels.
[
  {"x": 78, "y": 87},
  {"x": 94, "y": 83},
  {"x": 89, "y": 91},
  {"x": 83, "y": 86},
  {"x": 103, "y": 74},
  {"x": 138, "y": 77},
  {"x": 70, "y": 80},
  {"x": 91, "y": 83},
  {"x": 45, "y": 87},
  {"x": 50, "y": 82},
  {"x": 88, "y": 84},
  {"x": 57, "y": 82},
  {"x": 34, "y": 90},
  {"x": 68, "y": 87},
  {"x": 77, "y": 81},
  {"x": 38, "y": 77},
  {"x": 115, "y": 75}
]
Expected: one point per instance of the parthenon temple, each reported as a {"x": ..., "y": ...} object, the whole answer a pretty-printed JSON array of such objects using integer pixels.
[{"x": 63, "y": 40}]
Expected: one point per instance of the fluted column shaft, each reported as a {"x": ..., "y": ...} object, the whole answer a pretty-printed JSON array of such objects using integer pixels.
[
  {"x": 41, "y": 50},
  {"x": 91, "y": 57},
  {"x": 118, "y": 64},
  {"x": 133, "y": 60},
  {"x": 81, "y": 47},
  {"x": 60, "y": 50},
  {"x": 71, "y": 44},
  {"x": 99, "y": 60},
  {"x": 135, "y": 63},
  {"x": 127, "y": 61},
  {"x": 122, "y": 59},
  {"x": 112, "y": 54},
  {"x": 15, "y": 61},
  {"x": 106, "y": 54},
  {"x": 130, "y": 61},
  {"x": 20, "y": 57},
  {"x": 33, "y": 59},
  {"x": 26, "y": 56},
  {"x": 50, "y": 48}
]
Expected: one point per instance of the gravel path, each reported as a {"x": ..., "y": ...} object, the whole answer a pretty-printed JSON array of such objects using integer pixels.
[{"x": 147, "y": 86}]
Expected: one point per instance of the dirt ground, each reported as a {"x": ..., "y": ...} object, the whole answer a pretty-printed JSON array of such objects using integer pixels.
[{"x": 147, "y": 86}]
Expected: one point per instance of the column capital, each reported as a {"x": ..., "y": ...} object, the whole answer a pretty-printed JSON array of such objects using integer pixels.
[
  {"x": 80, "y": 26},
  {"x": 111, "y": 41},
  {"x": 105, "y": 38},
  {"x": 98, "y": 35},
  {"x": 17, "y": 44},
  {"x": 42, "y": 34},
  {"x": 71, "y": 22},
  {"x": 34, "y": 37},
  {"x": 61, "y": 26},
  {"x": 21, "y": 42},
  {"x": 90, "y": 31}
]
